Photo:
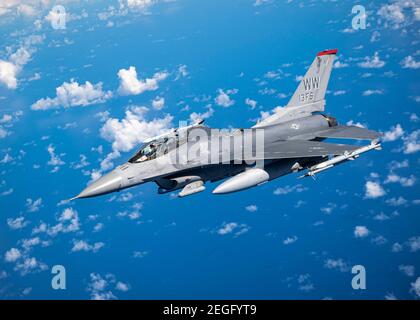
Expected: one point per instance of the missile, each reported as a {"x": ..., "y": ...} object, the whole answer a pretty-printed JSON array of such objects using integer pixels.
[
  {"x": 244, "y": 180},
  {"x": 312, "y": 171},
  {"x": 191, "y": 188}
]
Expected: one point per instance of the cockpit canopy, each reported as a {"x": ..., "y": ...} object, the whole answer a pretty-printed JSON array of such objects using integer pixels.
[{"x": 155, "y": 149}]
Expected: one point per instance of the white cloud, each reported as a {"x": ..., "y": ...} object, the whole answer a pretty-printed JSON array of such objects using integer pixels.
[
  {"x": 33, "y": 205},
  {"x": 137, "y": 5},
  {"x": 393, "y": 134},
  {"x": 129, "y": 132},
  {"x": 329, "y": 208},
  {"x": 399, "y": 13},
  {"x": 339, "y": 92},
  {"x": 408, "y": 270},
  {"x": 361, "y": 231},
  {"x": 396, "y": 202},
  {"x": 404, "y": 181},
  {"x": 415, "y": 287},
  {"x": 131, "y": 85},
  {"x": 121, "y": 286},
  {"x": 251, "y": 103},
  {"x": 10, "y": 68},
  {"x": 290, "y": 240},
  {"x": 68, "y": 222},
  {"x": 288, "y": 189},
  {"x": 71, "y": 94},
  {"x": 232, "y": 227},
  {"x": 338, "y": 65},
  {"x": 30, "y": 265},
  {"x": 223, "y": 99},
  {"x": 12, "y": 255},
  {"x": 197, "y": 117},
  {"x": 396, "y": 247},
  {"x": 251, "y": 208},
  {"x": 410, "y": 63},
  {"x": 374, "y": 62},
  {"x": 81, "y": 245},
  {"x": 227, "y": 228},
  {"x": 158, "y": 103},
  {"x": 412, "y": 142},
  {"x": 8, "y": 74},
  {"x": 99, "y": 286},
  {"x": 336, "y": 264},
  {"x": 373, "y": 190},
  {"x": 17, "y": 223},
  {"x": 182, "y": 72},
  {"x": 371, "y": 92},
  {"x": 414, "y": 244},
  {"x": 55, "y": 159}
]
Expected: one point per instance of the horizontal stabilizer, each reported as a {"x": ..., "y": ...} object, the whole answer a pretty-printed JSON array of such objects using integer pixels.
[{"x": 348, "y": 132}]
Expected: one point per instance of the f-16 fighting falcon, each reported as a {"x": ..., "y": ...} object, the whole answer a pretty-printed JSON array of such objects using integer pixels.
[{"x": 288, "y": 141}]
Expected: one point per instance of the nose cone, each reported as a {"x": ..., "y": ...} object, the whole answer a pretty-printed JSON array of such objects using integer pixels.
[{"x": 108, "y": 183}]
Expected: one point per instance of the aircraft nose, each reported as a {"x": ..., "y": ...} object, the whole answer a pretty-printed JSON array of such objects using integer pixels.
[{"x": 106, "y": 184}]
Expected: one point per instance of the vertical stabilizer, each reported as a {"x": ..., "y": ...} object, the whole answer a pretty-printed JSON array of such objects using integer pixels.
[{"x": 314, "y": 84}]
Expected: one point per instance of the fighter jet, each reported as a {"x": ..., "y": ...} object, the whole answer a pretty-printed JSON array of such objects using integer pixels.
[{"x": 288, "y": 141}]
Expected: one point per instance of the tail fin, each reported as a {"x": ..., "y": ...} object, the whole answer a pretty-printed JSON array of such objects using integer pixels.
[
  {"x": 314, "y": 84},
  {"x": 309, "y": 96}
]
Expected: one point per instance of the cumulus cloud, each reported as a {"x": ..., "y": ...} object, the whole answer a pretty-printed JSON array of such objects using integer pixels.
[
  {"x": 251, "y": 208},
  {"x": 197, "y": 117},
  {"x": 11, "y": 66},
  {"x": 158, "y": 103},
  {"x": 68, "y": 221},
  {"x": 373, "y": 62},
  {"x": 373, "y": 190},
  {"x": 393, "y": 134},
  {"x": 412, "y": 142},
  {"x": 404, "y": 181},
  {"x": 288, "y": 189},
  {"x": 131, "y": 85},
  {"x": 414, "y": 244},
  {"x": 232, "y": 227},
  {"x": 290, "y": 240},
  {"x": 336, "y": 264},
  {"x": 410, "y": 63},
  {"x": 223, "y": 99},
  {"x": 73, "y": 94},
  {"x": 55, "y": 159},
  {"x": 8, "y": 74},
  {"x": 371, "y": 92},
  {"x": 399, "y": 13},
  {"x": 137, "y": 5},
  {"x": 415, "y": 287},
  {"x": 396, "y": 202},
  {"x": 12, "y": 255},
  {"x": 361, "y": 231},
  {"x": 408, "y": 270},
  {"x": 130, "y": 131},
  {"x": 82, "y": 245},
  {"x": 33, "y": 205},
  {"x": 251, "y": 103},
  {"x": 17, "y": 223},
  {"x": 100, "y": 287}
]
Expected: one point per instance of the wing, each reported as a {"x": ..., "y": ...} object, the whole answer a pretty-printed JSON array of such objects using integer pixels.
[
  {"x": 296, "y": 149},
  {"x": 348, "y": 132}
]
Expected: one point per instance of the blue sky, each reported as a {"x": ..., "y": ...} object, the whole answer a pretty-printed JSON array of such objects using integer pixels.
[{"x": 75, "y": 102}]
